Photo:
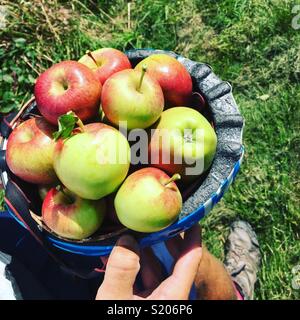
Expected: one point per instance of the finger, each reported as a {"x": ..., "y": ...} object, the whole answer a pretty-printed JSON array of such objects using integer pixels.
[
  {"x": 151, "y": 270},
  {"x": 179, "y": 284},
  {"x": 174, "y": 246},
  {"x": 121, "y": 270}
]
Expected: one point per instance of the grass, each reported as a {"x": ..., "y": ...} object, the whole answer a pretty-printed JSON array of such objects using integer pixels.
[{"x": 251, "y": 43}]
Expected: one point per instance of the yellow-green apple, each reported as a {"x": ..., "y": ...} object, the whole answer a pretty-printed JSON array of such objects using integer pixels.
[
  {"x": 132, "y": 97},
  {"x": 183, "y": 142},
  {"x": 172, "y": 76},
  {"x": 66, "y": 86},
  {"x": 111, "y": 211},
  {"x": 105, "y": 62},
  {"x": 70, "y": 216},
  {"x": 92, "y": 163},
  {"x": 148, "y": 200},
  {"x": 30, "y": 150}
]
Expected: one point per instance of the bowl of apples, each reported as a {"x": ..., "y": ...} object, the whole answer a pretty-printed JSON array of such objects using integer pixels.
[{"x": 144, "y": 142}]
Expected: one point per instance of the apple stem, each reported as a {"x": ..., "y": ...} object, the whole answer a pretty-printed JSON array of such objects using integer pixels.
[
  {"x": 61, "y": 189},
  {"x": 175, "y": 177},
  {"x": 144, "y": 69},
  {"x": 89, "y": 53}
]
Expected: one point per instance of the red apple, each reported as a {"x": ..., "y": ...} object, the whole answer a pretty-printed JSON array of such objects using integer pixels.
[
  {"x": 43, "y": 189},
  {"x": 148, "y": 200},
  {"x": 105, "y": 62},
  {"x": 70, "y": 216},
  {"x": 133, "y": 97},
  {"x": 172, "y": 76},
  {"x": 67, "y": 86},
  {"x": 30, "y": 150}
]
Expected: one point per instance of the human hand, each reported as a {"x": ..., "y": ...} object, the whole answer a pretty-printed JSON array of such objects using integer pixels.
[{"x": 126, "y": 261}]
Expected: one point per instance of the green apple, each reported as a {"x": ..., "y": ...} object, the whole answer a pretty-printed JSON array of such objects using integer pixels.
[
  {"x": 70, "y": 216},
  {"x": 148, "y": 200},
  {"x": 183, "y": 142},
  {"x": 94, "y": 162},
  {"x": 132, "y": 97}
]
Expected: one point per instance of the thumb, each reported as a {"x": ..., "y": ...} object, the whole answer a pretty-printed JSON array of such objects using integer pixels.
[{"x": 121, "y": 270}]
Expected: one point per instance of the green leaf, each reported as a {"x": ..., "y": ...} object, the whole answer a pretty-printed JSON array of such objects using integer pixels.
[
  {"x": 21, "y": 78},
  {"x": 264, "y": 97},
  {"x": 66, "y": 124},
  {"x": 20, "y": 40},
  {"x": 8, "y": 108},
  {"x": 2, "y": 200},
  {"x": 7, "y": 95},
  {"x": 8, "y": 78},
  {"x": 31, "y": 79}
]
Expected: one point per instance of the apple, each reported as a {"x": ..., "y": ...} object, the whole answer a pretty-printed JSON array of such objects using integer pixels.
[
  {"x": 148, "y": 200},
  {"x": 94, "y": 162},
  {"x": 176, "y": 146},
  {"x": 70, "y": 216},
  {"x": 133, "y": 97},
  {"x": 30, "y": 150},
  {"x": 105, "y": 62},
  {"x": 111, "y": 216},
  {"x": 66, "y": 86},
  {"x": 172, "y": 76},
  {"x": 43, "y": 189}
]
